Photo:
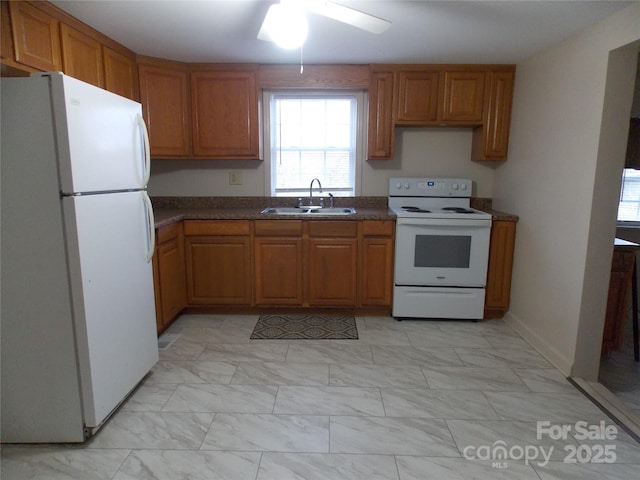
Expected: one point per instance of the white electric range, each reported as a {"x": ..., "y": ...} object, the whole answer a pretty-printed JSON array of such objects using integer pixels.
[{"x": 442, "y": 249}]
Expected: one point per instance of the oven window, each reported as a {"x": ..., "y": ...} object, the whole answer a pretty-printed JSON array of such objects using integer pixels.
[{"x": 442, "y": 251}]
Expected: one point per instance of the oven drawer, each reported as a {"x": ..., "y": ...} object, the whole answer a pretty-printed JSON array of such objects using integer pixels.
[{"x": 434, "y": 302}]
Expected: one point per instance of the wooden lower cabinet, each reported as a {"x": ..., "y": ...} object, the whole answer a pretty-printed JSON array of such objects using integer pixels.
[
  {"x": 273, "y": 263},
  {"x": 501, "y": 250},
  {"x": 169, "y": 274},
  {"x": 278, "y": 262},
  {"x": 333, "y": 272},
  {"x": 376, "y": 263},
  {"x": 333, "y": 263},
  {"x": 218, "y": 258},
  {"x": 617, "y": 300}
]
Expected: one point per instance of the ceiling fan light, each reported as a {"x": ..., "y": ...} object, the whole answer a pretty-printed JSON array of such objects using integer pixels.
[{"x": 286, "y": 25}]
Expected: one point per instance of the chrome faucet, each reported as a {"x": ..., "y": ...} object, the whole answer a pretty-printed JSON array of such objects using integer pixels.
[
  {"x": 311, "y": 190},
  {"x": 331, "y": 200}
]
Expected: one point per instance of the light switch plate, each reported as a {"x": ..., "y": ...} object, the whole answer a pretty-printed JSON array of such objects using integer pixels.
[{"x": 235, "y": 178}]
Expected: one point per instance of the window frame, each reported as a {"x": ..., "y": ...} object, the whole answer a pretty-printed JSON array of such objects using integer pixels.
[
  {"x": 360, "y": 133},
  {"x": 627, "y": 223}
]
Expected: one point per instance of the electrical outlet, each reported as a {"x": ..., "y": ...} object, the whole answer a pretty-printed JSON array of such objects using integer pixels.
[{"x": 235, "y": 178}]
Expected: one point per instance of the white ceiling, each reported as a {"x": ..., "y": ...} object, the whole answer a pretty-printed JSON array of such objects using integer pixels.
[{"x": 449, "y": 31}]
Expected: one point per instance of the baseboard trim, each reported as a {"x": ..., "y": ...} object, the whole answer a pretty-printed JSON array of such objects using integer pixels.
[{"x": 557, "y": 359}]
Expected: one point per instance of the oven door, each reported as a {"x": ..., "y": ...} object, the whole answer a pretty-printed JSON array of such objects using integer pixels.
[{"x": 442, "y": 252}]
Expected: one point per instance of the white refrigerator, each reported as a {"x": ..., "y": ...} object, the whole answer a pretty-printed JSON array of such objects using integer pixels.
[{"x": 78, "y": 329}]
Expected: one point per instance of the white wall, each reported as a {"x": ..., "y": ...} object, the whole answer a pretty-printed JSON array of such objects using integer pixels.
[
  {"x": 567, "y": 213},
  {"x": 422, "y": 151}
]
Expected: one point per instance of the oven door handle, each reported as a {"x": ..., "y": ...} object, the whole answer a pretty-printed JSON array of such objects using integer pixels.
[{"x": 435, "y": 222}]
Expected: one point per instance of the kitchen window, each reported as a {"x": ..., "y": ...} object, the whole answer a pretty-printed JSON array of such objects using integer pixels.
[
  {"x": 313, "y": 135},
  {"x": 629, "y": 206}
]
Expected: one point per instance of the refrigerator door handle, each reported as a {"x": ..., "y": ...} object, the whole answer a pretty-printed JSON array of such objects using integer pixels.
[
  {"x": 151, "y": 235},
  {"x": 147, "y": 151}
]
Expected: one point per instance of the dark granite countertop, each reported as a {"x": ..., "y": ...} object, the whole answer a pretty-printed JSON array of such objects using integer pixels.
[
  {"x": 167, "y": 216},
  {"x": 502, "y": 216},
  {"x": 169, "y": 210}
]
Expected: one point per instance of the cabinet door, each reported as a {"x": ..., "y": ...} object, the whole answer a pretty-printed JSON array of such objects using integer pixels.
[
  {"x": 463, "y": 97},
  {"x": 6, "y": 41},
  {"x": 225, "y": 115},
  {"x": 82, "y": 56},
  {"x": 376, "y": 262},
  {"x": 491, "y": 141},
  {"x": 218, "y": 270},
  {"x": 501, "y": 249},
  {"x": 36, "y": 37},
  {"x": 164, "y": 94},
  {"x": 278, "y": 270},
  {"x": 617, "y": 300},
  {"x": 381, "y": 130},
  {"x": 120, "y": 74},
  {"x": 376, "y": 282},
  {"x": 417, "y": 97},
  {"x": 172, "y": 279},
  {"x": 332, "y": 271}
]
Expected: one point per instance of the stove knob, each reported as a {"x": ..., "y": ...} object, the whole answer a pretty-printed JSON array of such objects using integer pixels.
[
  {"x": 454, "y": 186},
  {"x": 398, "y": 185},
  {"x": 406, "y": 185},
  {"x": 463, "y": 186}
]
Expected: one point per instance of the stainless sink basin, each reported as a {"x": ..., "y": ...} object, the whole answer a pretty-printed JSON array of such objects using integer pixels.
[{"x": 309, "y": 211}]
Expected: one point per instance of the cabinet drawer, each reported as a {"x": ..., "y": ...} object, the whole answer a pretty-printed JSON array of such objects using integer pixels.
[
  {"x": 164, "y": 234},
  {"x": 375, "y": 227},
  {"x": 278, "y": 228},
  {"x": 333, "y": 229},
  {"x": 216, "y": 227}
]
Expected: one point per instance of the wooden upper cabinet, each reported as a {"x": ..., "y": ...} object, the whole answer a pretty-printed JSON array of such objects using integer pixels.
[
  {"x": 6, "y": 41},
  {"x": 416, "y": 97},
  {"x": 164, "y": 94},
  {"x": 120, "y": 74},
  {"x": 225, "y": 114},
  {"x": 36, "y": 37},
  {"x": 491, "y": 141},
  {"x": 82, "y": 56},
  {"x": 463, "y": 96},
  {"x": 381, "y": 131}
]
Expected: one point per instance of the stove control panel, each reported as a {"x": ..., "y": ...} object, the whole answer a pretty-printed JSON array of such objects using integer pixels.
[{"x": 429, "y": 187}]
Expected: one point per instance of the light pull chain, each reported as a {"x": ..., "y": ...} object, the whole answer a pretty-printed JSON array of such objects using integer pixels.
[{"x": 301, "y": 64}]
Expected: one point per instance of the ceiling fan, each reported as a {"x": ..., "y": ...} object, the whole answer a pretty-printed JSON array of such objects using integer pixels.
[{"x": 286, "y": 24}]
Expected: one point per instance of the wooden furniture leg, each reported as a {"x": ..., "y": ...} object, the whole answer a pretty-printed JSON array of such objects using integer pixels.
[{"x": 634, "y": 305}]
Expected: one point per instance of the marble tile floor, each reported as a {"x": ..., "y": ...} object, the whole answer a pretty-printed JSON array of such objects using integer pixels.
[{"x": 406, "y": 401}]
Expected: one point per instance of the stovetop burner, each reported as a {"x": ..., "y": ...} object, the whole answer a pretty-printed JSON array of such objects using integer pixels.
[
  {"x": 415, "y": 209},
  {"x": 458, "y": 209}
]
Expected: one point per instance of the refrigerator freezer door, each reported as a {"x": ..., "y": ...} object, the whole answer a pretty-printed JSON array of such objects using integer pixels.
[
  {"x": 101, "y": 138},
  {"x": 112, "y": 295}
]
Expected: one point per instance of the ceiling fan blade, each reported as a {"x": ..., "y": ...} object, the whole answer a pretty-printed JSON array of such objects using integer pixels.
[
  {"x": 347, "y": 15},
  {"x": 267, "y": 24}
]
